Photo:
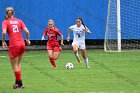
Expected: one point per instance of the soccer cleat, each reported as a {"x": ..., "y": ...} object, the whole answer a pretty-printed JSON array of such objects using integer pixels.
[
  {"x": 55, "y": 67},
  {"x": 87, "y": 66},
  {"x": 79, "y": 62},
  {"x": 16, "y": 86}
]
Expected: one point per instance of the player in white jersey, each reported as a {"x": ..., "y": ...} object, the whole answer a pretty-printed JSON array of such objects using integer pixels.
[{"x": 79, "y": 30}]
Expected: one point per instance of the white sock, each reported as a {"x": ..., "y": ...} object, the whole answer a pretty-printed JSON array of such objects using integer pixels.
[{"x": 86, "y": 61}]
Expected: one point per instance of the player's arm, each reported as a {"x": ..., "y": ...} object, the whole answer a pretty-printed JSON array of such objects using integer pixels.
[
  {"x": 27, "y": 35},
  {"x": 44, "y": 35},
  {"x": 68, "y": 38},
  {"x": 4, "y": 45},
  {"x": 61, "y": 38},
  {"x": 87, "y": 30},
  {"x": 4, "y": 30},
  {"x": 24, "y": 28}
]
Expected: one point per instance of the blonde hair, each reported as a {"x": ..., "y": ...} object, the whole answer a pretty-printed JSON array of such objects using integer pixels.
[
  {"x": 9, "y": 9},
  {"x": 50, "y": 20}
]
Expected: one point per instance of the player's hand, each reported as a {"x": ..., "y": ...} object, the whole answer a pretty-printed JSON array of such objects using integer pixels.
[
  {"x": 68, "y": 39},
  {"x": 4, "y": 45},
  {"x": 43, "y": 38},
  {"x": 62, "y": 44},
  {"x": 28, "y": 42}
]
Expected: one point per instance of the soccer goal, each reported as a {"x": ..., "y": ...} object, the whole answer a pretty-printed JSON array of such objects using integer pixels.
[{"x": 123, "y": 25}]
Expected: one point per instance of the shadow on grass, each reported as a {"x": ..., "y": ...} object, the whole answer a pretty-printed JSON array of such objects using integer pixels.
[
  {"x": 46, "y": 74},
  {"x": 115, "y": 73}
]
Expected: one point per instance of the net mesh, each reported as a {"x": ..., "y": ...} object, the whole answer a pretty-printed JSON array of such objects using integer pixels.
[{"x": 130, "y": 25}]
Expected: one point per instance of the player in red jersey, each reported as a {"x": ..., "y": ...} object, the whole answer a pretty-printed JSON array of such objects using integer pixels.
[
  {"x": 13, "y": 27},
  {"x": 53, "y": 44}
]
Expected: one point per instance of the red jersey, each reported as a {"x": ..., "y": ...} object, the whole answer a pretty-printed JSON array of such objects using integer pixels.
[
  {"x": 52, "y": 36},
  {"x": 14, "y": 27}
]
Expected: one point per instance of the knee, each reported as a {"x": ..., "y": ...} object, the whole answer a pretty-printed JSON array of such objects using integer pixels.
[
  {"x": 50, "y": 56},
  {"x": 75, "y": 51},
  {"x": 16, "y": 68},
  {"x": 55, "y": 58}
]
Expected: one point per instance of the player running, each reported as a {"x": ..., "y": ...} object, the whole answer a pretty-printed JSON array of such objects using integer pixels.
[
  {"x": 53, "y": 44},
  {"x": 13, "y": 27},
  {"x": 79, "y": 30}
]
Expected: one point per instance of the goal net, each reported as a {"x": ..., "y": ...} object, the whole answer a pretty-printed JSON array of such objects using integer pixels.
[{"x": 123, "y": 25}]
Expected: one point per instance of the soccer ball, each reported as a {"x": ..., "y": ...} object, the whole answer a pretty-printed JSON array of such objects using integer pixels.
[{"x": 69, "y": 66}]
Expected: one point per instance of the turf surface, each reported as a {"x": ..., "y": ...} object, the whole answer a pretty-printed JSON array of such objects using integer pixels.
[{"x": 109, "y": 73}]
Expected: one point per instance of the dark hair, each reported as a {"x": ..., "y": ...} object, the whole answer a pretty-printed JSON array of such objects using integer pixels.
[{"x": 82, "y": 21}]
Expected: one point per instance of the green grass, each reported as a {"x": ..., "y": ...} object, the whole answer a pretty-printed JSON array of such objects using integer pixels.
[{"x": 109, "y": 73}]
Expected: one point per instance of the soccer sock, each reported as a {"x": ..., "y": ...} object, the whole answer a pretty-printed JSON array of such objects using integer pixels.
[
  {"x": 77, "y": 56},
  {"x": 52, "y": 61},
  {"x": 18, "y": 78},
  {"x": 86, "y": 61},
  {"x": 17, "y": 75}
]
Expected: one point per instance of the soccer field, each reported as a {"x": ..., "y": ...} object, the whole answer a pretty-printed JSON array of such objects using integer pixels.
[{"x": 109, "y": 73}]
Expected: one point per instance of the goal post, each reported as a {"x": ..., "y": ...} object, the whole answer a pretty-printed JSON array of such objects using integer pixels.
[
  {"x": 122, "y": 26},
  {"x": 119, "y": 25}
]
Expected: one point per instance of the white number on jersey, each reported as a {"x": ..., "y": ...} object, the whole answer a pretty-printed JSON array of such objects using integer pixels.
[{"x": 15, "y": 28}]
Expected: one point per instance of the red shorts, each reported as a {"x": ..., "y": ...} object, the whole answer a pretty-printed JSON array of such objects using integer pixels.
[
  {"x": 16, "y": 51},
  {"x": 54, "y": 48}
]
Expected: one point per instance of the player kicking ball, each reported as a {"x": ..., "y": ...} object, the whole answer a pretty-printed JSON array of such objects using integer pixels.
[
  {"x": 79, "y": 30},
  {"x": 53, "y": 44},
  {"x": 14, "y": 27}
]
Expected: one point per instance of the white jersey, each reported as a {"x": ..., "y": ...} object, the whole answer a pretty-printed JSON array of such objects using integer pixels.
[{"x": 79, "y": 33}]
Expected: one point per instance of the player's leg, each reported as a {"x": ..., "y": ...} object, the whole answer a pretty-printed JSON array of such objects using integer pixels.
[
  {"x": 84, "y": 55},
  {"x": 17, "y": 73},
  {"x": 56, "y": 52},
  {"x": 75, "y": 51},
  {"x": 14, "y": 62},
  {"x": 13, "y": 55},
  {"x": 19, "y": 62},
  {"x": 19, "y": 82},
  {"x": 21, "y": 53},
  {"x": 56, "y": 55},
  {"x": 50, "y": 54}
]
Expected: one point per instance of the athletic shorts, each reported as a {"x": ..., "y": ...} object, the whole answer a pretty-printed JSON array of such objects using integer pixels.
[
  {"x": 80, "y": 45},
  {"x": 54, "y": 48},
  {"x": 16, "y": 51}
]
